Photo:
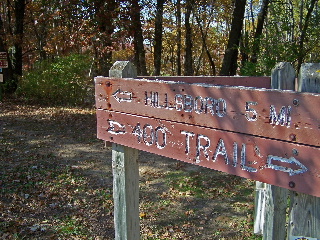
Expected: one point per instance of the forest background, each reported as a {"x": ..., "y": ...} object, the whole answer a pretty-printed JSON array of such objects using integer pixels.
[{"x": 56, "y": 47}]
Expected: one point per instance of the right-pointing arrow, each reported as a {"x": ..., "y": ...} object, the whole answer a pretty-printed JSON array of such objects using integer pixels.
[{"x": 290, "y": 160}]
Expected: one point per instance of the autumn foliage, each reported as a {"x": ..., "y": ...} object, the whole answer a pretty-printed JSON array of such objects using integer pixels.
[{"x": 172, "y": 37}]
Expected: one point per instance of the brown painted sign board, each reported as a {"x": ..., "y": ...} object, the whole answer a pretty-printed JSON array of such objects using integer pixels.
[
  {"x": 279, "y": 163},
  {"x": 224, "y": 128},
  {"x": 3, "y": 64},
  {"x": 282, "y": 115},
  {"x": 258, "y": 82},
  {"x": 3, "y": 56},
  {"x": 3, "y": 60}
]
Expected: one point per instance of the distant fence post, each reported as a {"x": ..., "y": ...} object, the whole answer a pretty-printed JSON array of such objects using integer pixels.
[
  {"x": 304, "y": 217},
  {"x": 283, "y": 76},
  {"x": 259, "y": 207},
  {"x": 125, "y": 175},
  {"x": 271, "y": 201}
]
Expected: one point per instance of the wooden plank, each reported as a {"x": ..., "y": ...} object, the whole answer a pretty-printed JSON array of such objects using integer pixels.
[
  {"x": 309, "y": 78},
  {"x": 257, "y": 82},
  {"x": 275, "y": 198},
  {"x": 3, "y": 56},
  {"x": 4, "y": 64},
  {"x": 305, "y": 209},
  {"x": 282, "y": 164},
  {"x": 123, "y": 69},
  {"x": 283, "y": 115},
  {"x": 125, "y": 171},
  {"x": 283, "y": 76},
  {"x": 125, "y": 192},
  {"x": 259, "y": 208},
  {"x": 304, "y": 216}
]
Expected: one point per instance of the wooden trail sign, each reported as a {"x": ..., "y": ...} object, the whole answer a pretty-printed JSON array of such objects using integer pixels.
[
  {"x": 261, "y": 134},
  {"x": 3, "y": 60},
  {"x": 282, "y": 115},
  {"x": 266, "y": 160},
  {"x": 258, "y": 82}
]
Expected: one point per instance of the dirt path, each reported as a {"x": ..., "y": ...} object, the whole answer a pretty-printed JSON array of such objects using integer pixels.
[{"x": 56, "y": 183}]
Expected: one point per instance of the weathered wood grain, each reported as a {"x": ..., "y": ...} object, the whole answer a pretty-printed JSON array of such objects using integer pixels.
[
  {"x": 305, "y": 209},
  {"x": 282, "y": 77},
  {"x": 125, "y": 175},
  {"x": 258, "y": 82},
  {"x": 277, "y": 114},
  {"x": 125, "y": 192},
  {"x": 265, "y": 160}
]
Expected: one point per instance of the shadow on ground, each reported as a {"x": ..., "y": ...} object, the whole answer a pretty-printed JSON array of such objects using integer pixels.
[{"x": 56, "y": 183}]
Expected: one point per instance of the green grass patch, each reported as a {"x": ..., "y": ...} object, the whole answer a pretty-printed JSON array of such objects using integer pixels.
[
  {"x": 71, "y": 226},
  {"x": 62, "y": 81},
  {"x": 202, "y": 185}
]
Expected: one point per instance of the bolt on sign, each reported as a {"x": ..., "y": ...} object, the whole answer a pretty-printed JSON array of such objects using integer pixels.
[{"x": 261, "y": 134}]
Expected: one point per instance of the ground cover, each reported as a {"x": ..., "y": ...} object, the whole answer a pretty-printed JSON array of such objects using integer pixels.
[{"x": 56, "y": 183}]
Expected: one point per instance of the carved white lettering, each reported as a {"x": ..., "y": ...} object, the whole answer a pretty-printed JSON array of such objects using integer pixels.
[
  {"x": 244, "y": 160},
  {"x": 202, "y": 150},
  {"x": 283, "y": 118},
  {"x": 148, "y": 135},
  {"x": 221, "y": 107},
  {"x": 187, "y": 103},
  {"x": 221, "y": 150},
  {"x": 251, "y": 114},
  {"x": 137, "y": 131},
  {"x": 199, "y": 104},
  {"x": 203, "y": 144},
  {"x": 163, "y": 131},
  {"x": 187, "y": 142},
  {"x": 179, "y": 102},
  {"x": 235, "y": 154}
]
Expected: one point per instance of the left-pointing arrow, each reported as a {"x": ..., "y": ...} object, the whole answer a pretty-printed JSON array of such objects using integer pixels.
[
  {"x": 290, "y": 160},
  {"x": 122, "y": 96}
]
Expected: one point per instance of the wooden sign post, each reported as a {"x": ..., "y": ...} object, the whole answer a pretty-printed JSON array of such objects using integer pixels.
[
  {"x": 305, "y": 209},
  {"x": 3, "y": 60},
  {"x": 271, "y": 201},
  {"x": 125, "y": 176},
  {"x": 266, "y": 135}
]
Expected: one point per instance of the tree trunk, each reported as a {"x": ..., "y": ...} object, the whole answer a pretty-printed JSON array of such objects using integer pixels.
[
  {"x": 188, "y": 64},
  {"x": 14, "y": 71},
  {"x": 229, "y": 65},
  {"x": 20, "y": 6},
  {"x": 178, "y": 38},
  {"x": 7, "y": 72},
  {"x": 205, "y": 46},
  {"x": 256, "y": 40},
  {"x": 140, "y": 57},
  {"x": 301, "y": 53},
  {"x": 2, "y": 44},
  {"x": 105, "y": 12},
  {"x": 244, "y": 44},
  {"x": 158, "y": 37}
]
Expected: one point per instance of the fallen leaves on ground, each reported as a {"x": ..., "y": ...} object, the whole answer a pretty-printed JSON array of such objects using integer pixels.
[{"x": 56, "y": 183}]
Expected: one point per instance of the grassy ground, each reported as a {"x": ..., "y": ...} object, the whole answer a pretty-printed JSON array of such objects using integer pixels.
[{"x": 56, "y": 183}]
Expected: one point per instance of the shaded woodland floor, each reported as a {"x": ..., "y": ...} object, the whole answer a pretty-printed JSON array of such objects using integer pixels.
[{"x": 56, "y": 183}]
